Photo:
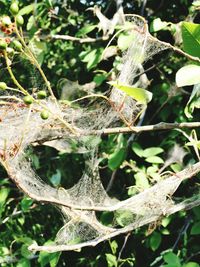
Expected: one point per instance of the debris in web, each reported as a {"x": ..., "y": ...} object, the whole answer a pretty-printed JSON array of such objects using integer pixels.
[{"x": 21, "y": 126}]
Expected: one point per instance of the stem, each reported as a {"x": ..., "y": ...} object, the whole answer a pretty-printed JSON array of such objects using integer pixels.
[
  {"x": 13, "y": 76},
  {"x": 11, "y": 97},
  {"x": 35, "y": 61},
  {"x": 13, "y": 89}
]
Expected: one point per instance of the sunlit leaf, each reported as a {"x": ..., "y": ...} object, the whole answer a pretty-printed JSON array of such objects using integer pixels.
[
  {"x": 157, "y": 25},
  {"x": 172, "y": 259},
  {"x": 191, "y": 38},
  {"x": 188, "y": 75},
  {"x": 152, "y": 151},
  {"x": 141, "y": 95},
  {"x": 154, "y": 159},
  {"x": 124, "y": 41}
]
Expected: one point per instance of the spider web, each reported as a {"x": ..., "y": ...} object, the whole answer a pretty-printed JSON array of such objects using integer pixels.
[{"x": 21, "y": 126}]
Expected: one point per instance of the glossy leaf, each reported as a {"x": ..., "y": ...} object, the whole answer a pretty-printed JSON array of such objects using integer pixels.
[
  {"x": 124, "y": 41},
  {"x": 119, "y": 154},
  {"x": 188, "y": 75},
  {"x": 141, "y": 180},
  {"x": 191, "y": 38},
  {"x": 172, "y": 259},
  {"x": 137, "y": 149},
  {"x": 154, "y": 159},
  {"x": 26, "y": 203},
  {"x": 28, "y": 9},
  {"x": 152, "y": 151},
  {"x": 111, "y": 260},
  {"x": 191, "y": 264},
  {"x": 155, "y": 241},
  {"x": 141, "y": 95},
  {"x": 157, "y": 25}
]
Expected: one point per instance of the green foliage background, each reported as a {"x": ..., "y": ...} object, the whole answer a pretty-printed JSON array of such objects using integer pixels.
[{"x": 175, "y": 240}]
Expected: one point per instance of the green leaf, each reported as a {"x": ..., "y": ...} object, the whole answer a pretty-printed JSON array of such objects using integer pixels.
[
  {"x": 92, "y": 58},
  {"x": 152, "y": 151},
  {"x": 154, "y": 159},
  {"x": 158, "y": 25},
  {"x": 176, "y": 167},
  {"x": 188, "y": 75},
  {"x": 48, "y": 258},
  {"x": 191, "y": 264},
  {"x": 26, "y": 203},
  {"x": 3, "y": 195},
  {"x": 28, "y": 9},
  {"x": 155, "y": 240},
  {"x": 38, "y": 48},
  {"x": 166, "y": 221},
  {"x": 172, "y": 259},
  {"x": 117, "y": 157},
  {"x": 194, "y": 101},
  {"x": 191, "y": 38},
  {"x": 99, "y": 78},
  {"x": 86, "y": 29},
  {"x": 195, "y": 229},
  {"x": 125, "y": 40},
  {"x": 114, "y": 246},
  {"x": 141, "y": 95},
  {"x": 31, "y": 23},
  {"x": 25, "y": 252},
  {"x": 141, "y": 180},
  {"x": 111, "y": 260},
  {"x": 23, "y": 263},
  {"x": 137, "y": 149}
]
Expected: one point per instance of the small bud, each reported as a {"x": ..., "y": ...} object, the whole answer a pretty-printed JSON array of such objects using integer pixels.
[
  {"x": 17, "y": 45},
  {"x": 44, "y": 114},
  {"x": 28, "y": 99},
  {"x": 41, "y": 94},
  {"x": 20, "y": 20},
  {"x": 3, "y": 86},
  {"x": 14, "y": 8}
]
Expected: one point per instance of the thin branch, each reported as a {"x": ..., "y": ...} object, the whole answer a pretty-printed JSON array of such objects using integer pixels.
[
  {"x": 131, "y": 227},
  {"x": 79, "y": 40},
  {"x": 178, "y": 50},
  {"x": 161, "y": 126},
  {"x": 147, "y": 128}
]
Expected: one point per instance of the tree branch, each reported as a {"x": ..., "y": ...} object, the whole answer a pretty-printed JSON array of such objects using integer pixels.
[
  {"x": 138, "y": 129},
  {"x": 79, "y": 40},
  {"x": 55, "y": 248},
  {"x": 161, "y": 126}
]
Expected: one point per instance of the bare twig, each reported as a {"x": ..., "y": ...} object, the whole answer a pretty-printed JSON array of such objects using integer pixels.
[
  {"x": 156, "y": 127},
  {"x": 133, "y": 129},
  {"x": 79, "y": 40},
  {"x": 123, "y": 246}
]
